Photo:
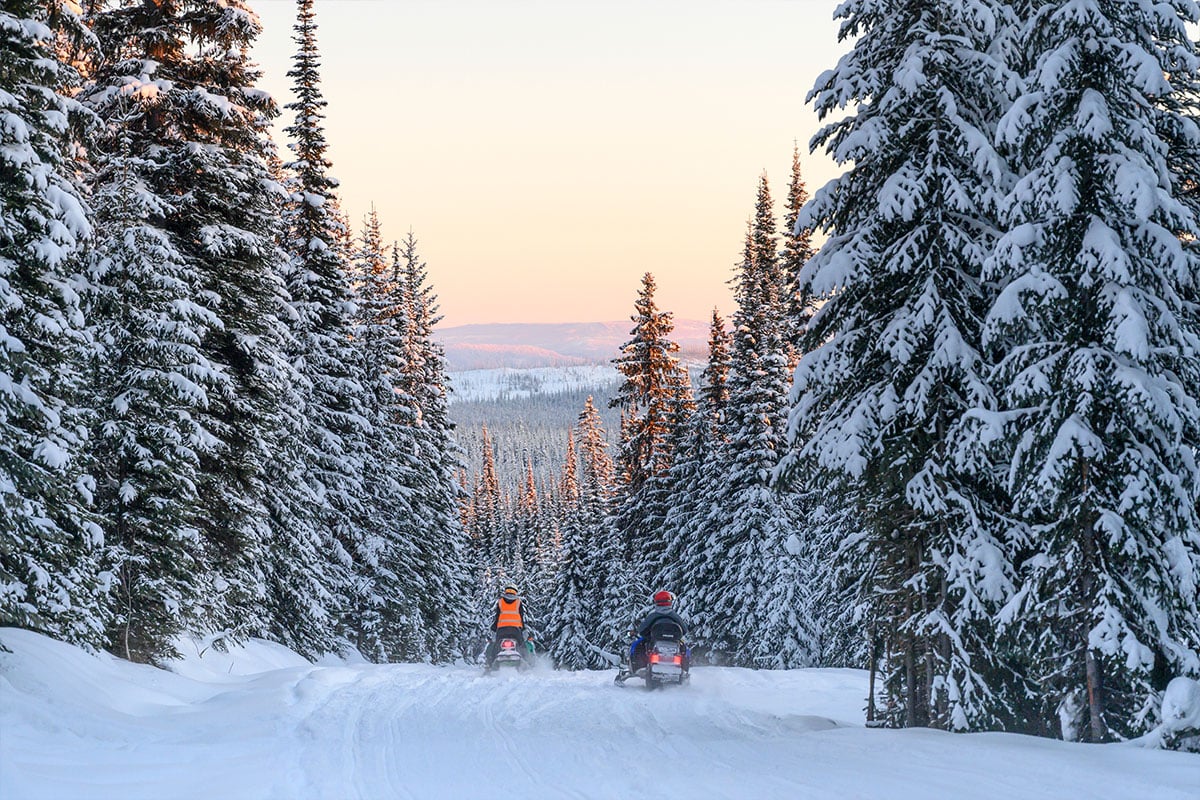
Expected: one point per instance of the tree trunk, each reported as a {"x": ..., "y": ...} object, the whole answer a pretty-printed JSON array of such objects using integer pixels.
[
  {"x": 1095, "y": 686},
  {"x": 1095, "y": 698},
  {"x": 874, "y": 656},
  {"x": 942, "y": 701},
  {"x": 910, "y": 675}
]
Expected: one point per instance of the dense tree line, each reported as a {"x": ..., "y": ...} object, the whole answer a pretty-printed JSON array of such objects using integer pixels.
[
  {"x": 981, "y": 479},
  {"x": 683, "y": 501},
  {"x": 220, "y": 413},
  {"x": 956, "y": 445},
  {"x": 526, "y": 431},
  {"x": 999, "y": 399}
]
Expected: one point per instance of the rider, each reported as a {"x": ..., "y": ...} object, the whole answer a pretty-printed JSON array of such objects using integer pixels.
[
  {"x": 663, "y": 610},
  {"x": 509, "y": 622}
]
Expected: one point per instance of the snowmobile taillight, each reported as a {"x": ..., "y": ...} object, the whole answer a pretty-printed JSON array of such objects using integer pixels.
[
  {"x": 654, "y": 658},
  {"x": 508, "y": 644},
  {"x": 678, "y": 659}
]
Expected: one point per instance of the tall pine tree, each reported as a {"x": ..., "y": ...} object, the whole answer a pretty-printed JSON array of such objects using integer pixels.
[
  {"x": 654, "y": 396},
  {"x": 749, "y": 524},
  {"x": 1099, "y": 361},
  {"x": 441, "y": 538},
  {"x": 200, "y": 138},
  {"x": 148, "y": 387},
  {"x": 893, "y": 364},
  {"x": 304, "y": 580},
  {"x": 49, "y": 547},
  {"x": 692, "y": 567},
  {"x": 796, "y": 250},
  {"x": 383, "y": 617}
]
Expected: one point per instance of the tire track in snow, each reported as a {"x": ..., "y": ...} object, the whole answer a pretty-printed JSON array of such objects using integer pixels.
[
  {"x": 377, "y": 735},
  {"x": 514, "y": 753}
]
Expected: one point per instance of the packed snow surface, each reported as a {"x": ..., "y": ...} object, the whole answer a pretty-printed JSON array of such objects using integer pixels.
[{"x": 263, "y": 723}]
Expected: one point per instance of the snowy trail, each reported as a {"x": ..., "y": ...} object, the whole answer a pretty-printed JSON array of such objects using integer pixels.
[{"x": 77, "y": 726}]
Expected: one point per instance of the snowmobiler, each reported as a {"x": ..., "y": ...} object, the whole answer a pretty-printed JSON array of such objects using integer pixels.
[
  {"x": 511, "y": 646},
  {"x": 658, "y": 655}
]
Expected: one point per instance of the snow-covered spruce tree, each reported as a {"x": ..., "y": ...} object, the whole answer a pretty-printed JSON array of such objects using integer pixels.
[
  {"x": 49, "y": 546},
  {"x": 441, "y": 538},
  {"x": 383, "y": 618},
  {"x": 893, "y": 363},
  {"x": 567, "y": 631},
  {"x": 1099, "y": 361},
  {"x": 525, "y": 524},
  {"x": 200, "y": 138},
  {"x": 797, "y": 248},
  {"x": 654, "y": 396},
  {"x": 603, "y": 565},
  {"x": 307, "y": 568},
  {"x": 485, "y": 541},
  {"x": 148, "y": 384},
  {"x": 749, "y": 524},
  {"x": 566, "y": 628},
  {"x": 691, "y": 568}
]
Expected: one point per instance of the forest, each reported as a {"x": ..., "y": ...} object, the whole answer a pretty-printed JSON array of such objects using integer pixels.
[{"x": 949, "y": 434}]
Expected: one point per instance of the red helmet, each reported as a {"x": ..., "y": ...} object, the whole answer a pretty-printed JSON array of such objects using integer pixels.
[{"x": 664, "y": 599}]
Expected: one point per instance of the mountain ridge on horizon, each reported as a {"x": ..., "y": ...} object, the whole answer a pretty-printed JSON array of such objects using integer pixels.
[{"x": 526, "y": 345}]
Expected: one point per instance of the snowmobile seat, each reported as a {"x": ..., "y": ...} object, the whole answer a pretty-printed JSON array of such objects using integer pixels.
[{"x": 666, "y": 630}]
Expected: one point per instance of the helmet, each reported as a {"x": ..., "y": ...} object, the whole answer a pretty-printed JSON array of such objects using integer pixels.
[
  {"x": 664, "y": 599},
  {"x": 510, "y": 590}
]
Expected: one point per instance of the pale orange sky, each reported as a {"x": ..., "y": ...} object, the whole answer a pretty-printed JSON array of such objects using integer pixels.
[{"x": 547, "y": 153}]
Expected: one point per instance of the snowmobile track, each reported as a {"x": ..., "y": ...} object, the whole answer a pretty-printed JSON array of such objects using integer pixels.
[{"x": 78, "y": 725}]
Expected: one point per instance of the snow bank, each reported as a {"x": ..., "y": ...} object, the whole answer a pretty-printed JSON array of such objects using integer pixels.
[
  {"x": 262, "y": 723},
  {"x": 1181, "y": 717},
  {"x": 1181, "y": 706},
  {"x": 202, "y": 661}
]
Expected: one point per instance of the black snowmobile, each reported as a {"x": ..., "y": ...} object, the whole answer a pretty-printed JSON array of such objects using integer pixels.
[{"x": 668, "y": 661}]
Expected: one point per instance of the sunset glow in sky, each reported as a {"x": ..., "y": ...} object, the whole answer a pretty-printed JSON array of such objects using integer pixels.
[{"x": 548, "y": 153}]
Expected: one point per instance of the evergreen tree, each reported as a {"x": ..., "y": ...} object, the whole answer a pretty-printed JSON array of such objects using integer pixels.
[
  {"x": 603, "y": 567},
  {"x": 749, "y": 523},
  {"x": 487, "y": 509},
  {"x": 149, "y": 385},
  {"x": 568, "y": 486},
  {"x": 199, "y": 137},
  {"x": 894, "y": 366},
  {"x": 654, "y": 396},
  {"x": 485, "y": 535},
  {"x": 441, "y": 539},
  {"x": 566, "y": 629},
  {"x": 692, "y": 569},
  {"x": 795, "y": 252},
  {"x": 49, "y": 546},
  {"x": 1098, "y": 362},
  {"x": 384, "y": 618},
  {"x": 304, "y": 581}
]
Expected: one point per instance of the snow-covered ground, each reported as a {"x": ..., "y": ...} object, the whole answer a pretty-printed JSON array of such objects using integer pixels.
[
  {"x": 513, "y": 384},
  {"x": 265, "y": 724}
]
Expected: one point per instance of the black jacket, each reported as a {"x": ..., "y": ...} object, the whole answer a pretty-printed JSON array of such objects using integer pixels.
[{"x": 660, "y": 614}]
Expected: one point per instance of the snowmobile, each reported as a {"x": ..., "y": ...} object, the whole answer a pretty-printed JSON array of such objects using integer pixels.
[
  {"x": 667, "y": 659},
  {"x": 511, "y": 654}
]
